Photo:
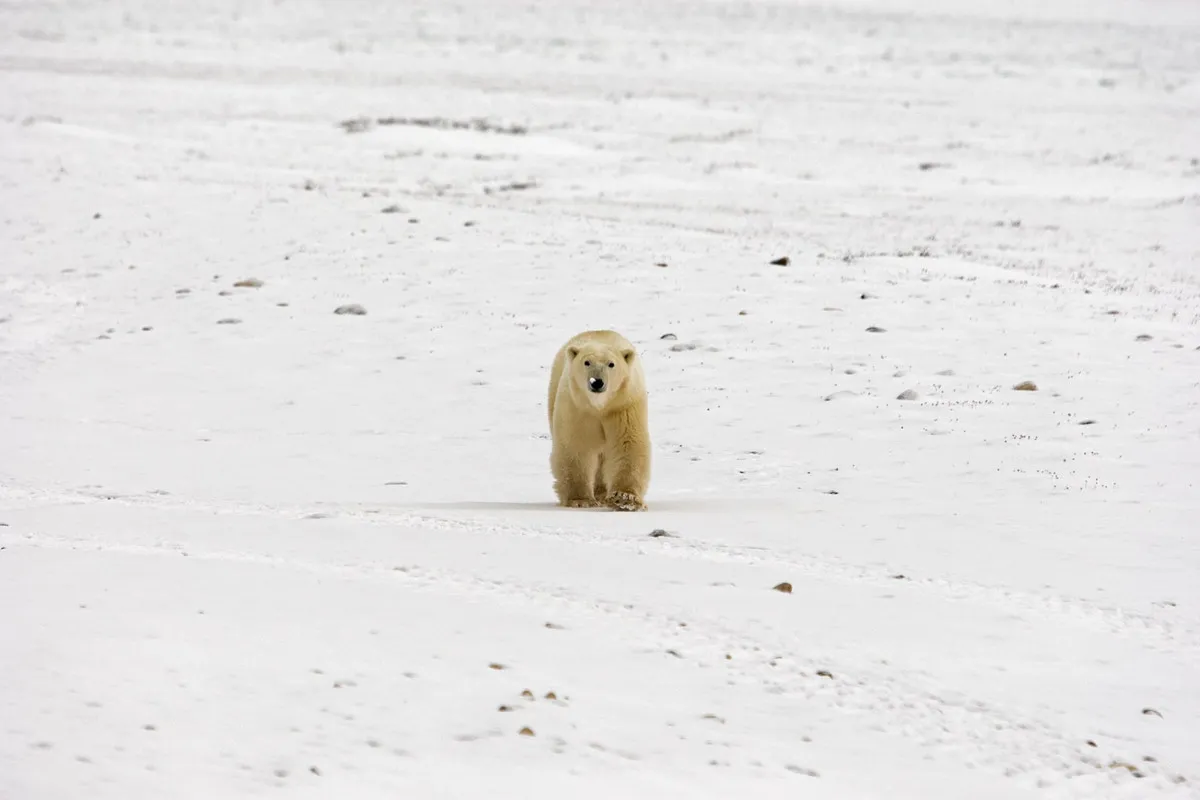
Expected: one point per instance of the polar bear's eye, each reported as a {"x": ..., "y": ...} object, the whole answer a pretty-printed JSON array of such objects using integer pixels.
[
  {"x": 587, "y": 363},
  {"x": 611, "y": 365}
]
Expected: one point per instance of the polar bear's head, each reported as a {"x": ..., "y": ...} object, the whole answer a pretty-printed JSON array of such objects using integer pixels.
[{"x": 600, "y": 372}]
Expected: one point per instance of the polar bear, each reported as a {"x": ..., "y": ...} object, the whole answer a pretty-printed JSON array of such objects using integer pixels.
[{"x": 599, "y": 423}]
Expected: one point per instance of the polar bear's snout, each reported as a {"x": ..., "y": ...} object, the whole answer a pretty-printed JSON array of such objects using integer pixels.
[{"x": 596, "y": 384}]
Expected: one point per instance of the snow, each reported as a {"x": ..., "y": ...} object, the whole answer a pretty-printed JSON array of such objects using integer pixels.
[{"x": 281, "y": 555}]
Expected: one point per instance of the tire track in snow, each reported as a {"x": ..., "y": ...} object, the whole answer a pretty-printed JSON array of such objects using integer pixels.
[
  {"x": 957, "y": 728},
  {"x": 1166, "y": 635},
  {"x": 1159, "y": 634}
]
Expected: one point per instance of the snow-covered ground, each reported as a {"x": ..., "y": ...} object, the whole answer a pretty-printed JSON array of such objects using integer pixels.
[{"x": 251, "y": 547}]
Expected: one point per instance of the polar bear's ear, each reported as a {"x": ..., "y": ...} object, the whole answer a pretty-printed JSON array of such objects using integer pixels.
[
  {"x": 628, "y": 356},
  {"x": 572, "y": 352}
]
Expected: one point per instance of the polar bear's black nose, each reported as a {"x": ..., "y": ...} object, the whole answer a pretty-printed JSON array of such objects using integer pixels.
[{"x": 596, "y": 384}]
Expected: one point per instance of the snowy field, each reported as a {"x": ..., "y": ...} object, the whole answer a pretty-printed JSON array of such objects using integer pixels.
[{"x": 253, "y": 548}]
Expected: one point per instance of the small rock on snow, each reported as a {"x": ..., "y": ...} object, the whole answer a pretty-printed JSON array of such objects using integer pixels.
[
  {"x": 350, "y": 308},
  {"x": 907, "y": 394},
  {"x": 1026, "y": 386}
]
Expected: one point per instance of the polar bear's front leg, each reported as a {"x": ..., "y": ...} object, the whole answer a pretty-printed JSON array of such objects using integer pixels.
[
  {"x": 574, "y": 479},
  {"x": 600, "y": 488},
  {"x": 627, "y": 460}
]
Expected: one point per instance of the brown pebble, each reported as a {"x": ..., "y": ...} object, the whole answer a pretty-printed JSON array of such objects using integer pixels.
[
  {"x": 526, "y": 732},
  {"x": 782, "y": 261},
  {"x": 249, "y": 283},
  {"x": 494, "y": 665},
  {"x": 1026, "y": 386},
  {"x": 784, "y": 587}
]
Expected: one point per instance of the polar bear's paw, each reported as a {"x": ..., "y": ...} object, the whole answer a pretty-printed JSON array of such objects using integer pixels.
[
  {"x": 624, "y": 501},
  {"x": 582, "y": 502}
]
